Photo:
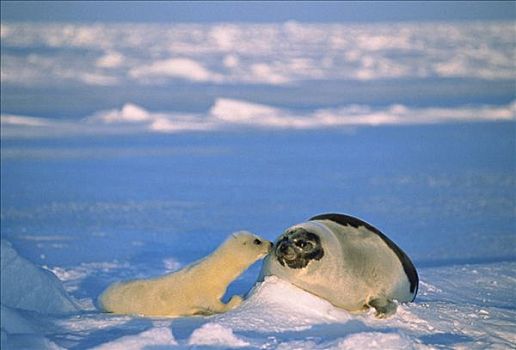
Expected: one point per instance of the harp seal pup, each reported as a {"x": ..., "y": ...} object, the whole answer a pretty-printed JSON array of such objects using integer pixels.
[
  {"x": 194, "y": 290},
  {"x": 345, "y": 261}
]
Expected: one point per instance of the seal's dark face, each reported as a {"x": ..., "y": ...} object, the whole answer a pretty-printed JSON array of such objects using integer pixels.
[{"x": 297, "y": 247}]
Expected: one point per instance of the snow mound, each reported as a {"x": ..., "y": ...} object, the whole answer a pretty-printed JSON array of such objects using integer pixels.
[
  {"x": 14, "y": 323},
  {"x": 280, "y": 310},
  {"x": 20, "y": 332},
  {"x": 27, "y": 341},
  {"x": 182, "y": 68},
  {"x": 130, "y": 113},
  {"x": 236, "y": 111},
  {"x": 216, "y": 335},
  {"x": 275, "y": 305},
  {"x": 232, "y": 114},
  {"x": 377, "y": 340},
  {"x": 28, "y": 287},
  {"x": 158, "y": 336}
]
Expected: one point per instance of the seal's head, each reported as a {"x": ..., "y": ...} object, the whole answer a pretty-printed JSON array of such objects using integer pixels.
[{"x": 297, "y": 247}]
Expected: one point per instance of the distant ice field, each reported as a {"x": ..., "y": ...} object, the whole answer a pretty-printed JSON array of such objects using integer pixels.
[
  {"x": 273, "y": 54},
  {"x": 71, "y": 71}
]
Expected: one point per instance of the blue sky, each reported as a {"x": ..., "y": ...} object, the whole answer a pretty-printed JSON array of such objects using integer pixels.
[{"x": 254, "y": 11}]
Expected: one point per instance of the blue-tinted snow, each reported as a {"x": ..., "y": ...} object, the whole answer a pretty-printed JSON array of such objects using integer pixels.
[
  {"x": 129, "y": 151},
  {"x": 99, "y": 210}
]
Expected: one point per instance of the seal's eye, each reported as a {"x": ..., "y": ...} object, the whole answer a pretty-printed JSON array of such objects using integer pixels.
[
  {"x": 305, "y": 245},
  {"x": 301, "y": 243},
  {"x": 257, "y": 241}
]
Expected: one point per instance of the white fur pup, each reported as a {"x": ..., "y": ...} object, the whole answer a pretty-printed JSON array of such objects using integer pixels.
[{"x": 194, "y": 290}]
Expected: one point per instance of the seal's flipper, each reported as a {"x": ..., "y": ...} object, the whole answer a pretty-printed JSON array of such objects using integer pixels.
[{"x": 384, "y": 307}]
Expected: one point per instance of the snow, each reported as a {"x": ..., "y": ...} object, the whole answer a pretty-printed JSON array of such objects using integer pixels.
[
  {"x": 183, "y": 68},
  {"x": 268, "y": 53},
  {"x": 216, "y": 335},
  {"x": 153, "y": 337},
  {"x": 28, "y": 287},
  {"x": 277, "y": 306},
  {"x": 129, "y": 113},
  {"x": 464, "y": 306},
  {"x": 14, "y": 323},
  {"x": 231, "y": 114},
  {"x": 28, "y": 341},
  {"x": 111, "y": 59},
  {"x": 22, "y": 120},
  {"x": 376, "y": 340},
  {"x": 163, "y": 138}
]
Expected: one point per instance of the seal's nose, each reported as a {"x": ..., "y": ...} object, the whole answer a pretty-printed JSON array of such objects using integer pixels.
[{"x": 282, "y": 248}]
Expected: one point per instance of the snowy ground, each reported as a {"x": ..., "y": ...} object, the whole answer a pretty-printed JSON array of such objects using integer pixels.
[
  {"x": 95, "y": 211},
  {"x": 459, "y": 307},
  {"x": 128, "y": 151}
]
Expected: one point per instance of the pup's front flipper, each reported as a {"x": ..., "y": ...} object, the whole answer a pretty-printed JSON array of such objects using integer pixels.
[
  {"x": 219, "y": 307},
  {"x": 235, "y": 301},
  {"x": 232, "y": 303},
  {"x": 384, "y": 307}
]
